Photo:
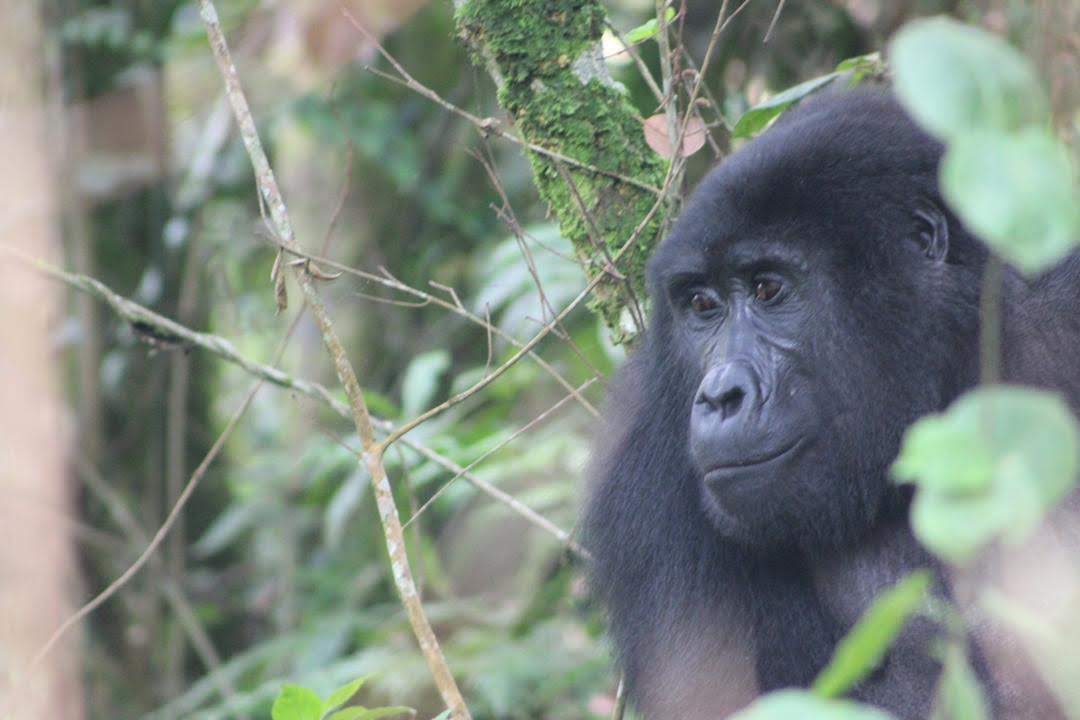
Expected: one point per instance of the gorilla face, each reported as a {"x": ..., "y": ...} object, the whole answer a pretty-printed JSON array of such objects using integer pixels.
[
  {"x": 816, "y": 332},
  {"x": 752, "y": 419},
  {"x": 740, "y": 313}
]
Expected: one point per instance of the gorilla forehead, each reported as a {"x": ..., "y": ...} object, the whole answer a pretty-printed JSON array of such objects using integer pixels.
[{"x": 839, "y": 170}]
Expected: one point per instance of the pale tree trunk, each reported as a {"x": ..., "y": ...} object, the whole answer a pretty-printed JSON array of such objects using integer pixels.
[{"x": 36, "y": 566}]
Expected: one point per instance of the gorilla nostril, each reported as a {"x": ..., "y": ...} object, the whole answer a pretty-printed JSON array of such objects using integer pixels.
[
  {"x": 730, "y": 402},
  {"x": 729, "y": 389}
]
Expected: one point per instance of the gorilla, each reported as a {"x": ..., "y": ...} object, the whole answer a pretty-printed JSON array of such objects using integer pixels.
[{"x": 815, "y": 297}]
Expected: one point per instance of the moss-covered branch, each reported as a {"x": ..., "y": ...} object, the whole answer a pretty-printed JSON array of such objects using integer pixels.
[{"x": 545, "y": 57}]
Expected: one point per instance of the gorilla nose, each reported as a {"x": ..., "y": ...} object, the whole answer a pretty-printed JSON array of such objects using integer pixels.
[{"x": 728, "y": 389}]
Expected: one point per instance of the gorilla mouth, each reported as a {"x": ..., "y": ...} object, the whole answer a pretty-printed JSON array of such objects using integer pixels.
[{"x": 725, "y": 469}]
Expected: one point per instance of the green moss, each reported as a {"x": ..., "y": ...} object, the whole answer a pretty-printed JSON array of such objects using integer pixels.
[{"x": 535, "y": 46}]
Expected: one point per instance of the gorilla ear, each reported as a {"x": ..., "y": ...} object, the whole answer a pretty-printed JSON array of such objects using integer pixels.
[{"x": 933, "y": 231}]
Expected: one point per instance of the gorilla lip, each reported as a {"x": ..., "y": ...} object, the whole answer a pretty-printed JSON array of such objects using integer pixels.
[{"x": 754, "y": 462}]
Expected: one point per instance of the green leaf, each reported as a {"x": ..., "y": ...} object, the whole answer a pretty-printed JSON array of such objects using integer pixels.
[
  {"x": 359, "y": 713},
  {"x": 956, "y": 529},
  {"x": 871, "y": 62},
  {"x": 422, "y": 380},
  {"x": 757, "y": 118},
  {"x": 1023, "y": 447},
  {"x": 648, "y": 29},
  {"x": 863, "y": 649},
  {"x": 343, "y": 694},
  {"x": 862, "y": 66},
  {"x": 296, "y": 703},
  {"x": 954, "y": 78},
  {"x": 1017, "y": 192},
  {"x": 959, "y": 695},
  {"x": 444, "y": 715},
  {"x": 803, "y": 705}
]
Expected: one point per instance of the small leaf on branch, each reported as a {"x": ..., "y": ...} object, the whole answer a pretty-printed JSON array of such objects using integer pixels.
[
  {"x": 759, "y": 117},
  {"x": 648, "y": 29},
  {"x": 656, "y": 135}
]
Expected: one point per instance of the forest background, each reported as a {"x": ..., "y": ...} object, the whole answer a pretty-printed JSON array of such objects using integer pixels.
[{"x": 225, "y": 536}]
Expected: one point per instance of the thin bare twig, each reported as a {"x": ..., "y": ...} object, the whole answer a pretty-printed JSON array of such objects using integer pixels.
[
  {"x": 389, "y": 281},
  {"x": 722, "y": 21},
  {"x": 594, "y": 235},
  {"x": 772, "y": 24},
  {"x": 507, "y": 215},
  {"x": 670, "y": 103},
  {"x": 495, "y": 374},
  {"x": 391, "y": 523},
  {"x": 155, "y": 542},
  {"x": 498, "y": 446},
  {"x": 162, "y": 326},
  {"x": 499, "y": 495},
  {"x": 487, "y": 126},
  {"x": 170, "y": 589},
  {"x": 643, "y": 69},
  {"x": 620, "y": 700}
]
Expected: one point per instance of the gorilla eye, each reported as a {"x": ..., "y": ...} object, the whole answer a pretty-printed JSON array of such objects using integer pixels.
[
  {"x": 766, "y": 289},
  {"x": 703, "y": 303}
]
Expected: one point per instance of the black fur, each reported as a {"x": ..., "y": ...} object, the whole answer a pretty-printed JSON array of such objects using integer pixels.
[{"x": 715, "y": 597}]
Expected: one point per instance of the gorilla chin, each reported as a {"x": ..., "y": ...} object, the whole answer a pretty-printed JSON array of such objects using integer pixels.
[{"x": 732, "y": 493}]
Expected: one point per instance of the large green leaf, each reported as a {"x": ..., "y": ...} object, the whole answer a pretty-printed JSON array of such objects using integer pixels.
[
  {"x": 1017, "y": 192},
  {"x": 954, "y": 78},
  {"x": 804, "y": 705},
  {"x": 991, "y": 466},
  {"x": 863, "y": 649}
]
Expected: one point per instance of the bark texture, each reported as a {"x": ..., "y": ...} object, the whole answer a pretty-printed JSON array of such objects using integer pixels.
[{"x": 545, "y": 57}]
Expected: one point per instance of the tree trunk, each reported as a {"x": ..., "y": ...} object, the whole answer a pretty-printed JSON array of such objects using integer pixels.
[
  {"x": 37, "y": 577},
  {"x": 545, "y": 57}
]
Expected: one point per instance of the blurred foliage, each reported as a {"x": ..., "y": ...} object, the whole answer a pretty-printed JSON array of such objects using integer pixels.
[{"x": 279, "y": 566}]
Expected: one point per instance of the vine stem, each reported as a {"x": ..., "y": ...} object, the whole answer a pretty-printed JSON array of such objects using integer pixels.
[{"x": 270, "y": 196}]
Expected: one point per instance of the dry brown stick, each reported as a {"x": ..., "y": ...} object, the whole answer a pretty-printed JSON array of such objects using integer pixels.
[
  {"x": 722, "y": 21},
  {"x": 384, "y": 498}
]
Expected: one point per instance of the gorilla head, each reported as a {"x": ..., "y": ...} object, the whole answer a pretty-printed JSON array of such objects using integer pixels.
[{"x": 819, "y": 299}]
